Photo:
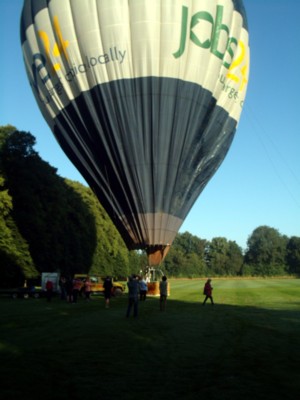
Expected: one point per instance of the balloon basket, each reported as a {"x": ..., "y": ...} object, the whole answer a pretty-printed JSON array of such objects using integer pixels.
[{"x": 153, "y": 288}]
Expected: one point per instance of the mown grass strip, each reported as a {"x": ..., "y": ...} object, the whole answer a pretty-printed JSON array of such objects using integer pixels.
[{"x": 247, "y": 346}]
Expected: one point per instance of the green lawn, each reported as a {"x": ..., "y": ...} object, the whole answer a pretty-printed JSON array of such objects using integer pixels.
[{"x": 247, "y": 346}]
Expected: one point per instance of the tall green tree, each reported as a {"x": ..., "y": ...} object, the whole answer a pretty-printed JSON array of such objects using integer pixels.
[
  {"x": 65, "y": 226},
  {"x": 293, "y": 255},
  {"x": 186, "y": 256},
  {"x": 266, "y": 253},
  {"x": 224, "y": 257},
  {"x": 110, "y": 255},
  {"x": 138, "y": 262},
  {"x": 5, "y": 131},
  {"x": 16, "y": 263},
  {"x": 49, "y": 214}
]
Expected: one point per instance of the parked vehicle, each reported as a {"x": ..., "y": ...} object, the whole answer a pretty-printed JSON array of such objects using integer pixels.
[
  {"x": 30, "y": 290},
  {"x": 97, "y": 284},
  {"x": 23, "y": 292},
  {"x": 53, "y": 277},
  {"x": 34, "y": 288}
]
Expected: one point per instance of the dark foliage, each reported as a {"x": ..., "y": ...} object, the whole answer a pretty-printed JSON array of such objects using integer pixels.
[{"x": 49, "y": 224}]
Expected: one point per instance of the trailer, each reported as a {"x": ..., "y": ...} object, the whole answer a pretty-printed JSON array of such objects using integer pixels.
[
  {"x": 31, "y": 290},
  {"x": 53, "y": 277},
  {"x": 23, "y": 292}
]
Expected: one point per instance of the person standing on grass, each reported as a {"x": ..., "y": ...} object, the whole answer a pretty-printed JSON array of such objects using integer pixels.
[
  {"x": 163, "y": 290},
  {"x": 143, "y": 289},
  {"x": 69, "y": 289},
  {"x": 77, "y": 285},
  {"x": 133, "y": 296},
  {"x": 107, "y": 290},
  {"x": 207, "y": 291},
  {"x": 49, "y": 290},
  {"x": 62, "y": 285},
  {"x": 87, "y": 288}
]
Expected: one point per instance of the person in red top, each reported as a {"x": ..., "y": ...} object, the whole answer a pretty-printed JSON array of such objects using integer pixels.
[
  {"x": 207, "y": 291},
  {"x": 49, "y": 290}
]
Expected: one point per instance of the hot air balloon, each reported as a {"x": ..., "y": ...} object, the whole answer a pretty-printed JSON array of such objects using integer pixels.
[{"x": 144, "y": 97}]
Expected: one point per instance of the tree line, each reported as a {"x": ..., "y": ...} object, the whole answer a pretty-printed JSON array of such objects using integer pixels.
[{"x": 49, "y": 224}]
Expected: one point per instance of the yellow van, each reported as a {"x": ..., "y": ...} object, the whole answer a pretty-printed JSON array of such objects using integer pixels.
[{"x": 97, "y": 284}]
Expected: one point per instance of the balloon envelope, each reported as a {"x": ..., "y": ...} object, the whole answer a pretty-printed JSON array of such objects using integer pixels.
[{"x": 143, "y": 96}]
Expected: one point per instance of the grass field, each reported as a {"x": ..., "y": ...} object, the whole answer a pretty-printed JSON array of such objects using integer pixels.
[{"x": 247, "y": 346}]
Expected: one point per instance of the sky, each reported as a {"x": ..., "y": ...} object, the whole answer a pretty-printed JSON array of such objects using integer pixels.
[{"x": 259, "y": 181}]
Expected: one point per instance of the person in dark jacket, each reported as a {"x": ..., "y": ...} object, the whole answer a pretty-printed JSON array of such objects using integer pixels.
[
  {"x": 163, "y": 291},
  {"x": 108, "y": 285},
  {"x": 207, "y": 291},
  {"x": 69, "y": 289},
  {"x": 77, "y": 285},
  {"x": 133, "y": 293}
]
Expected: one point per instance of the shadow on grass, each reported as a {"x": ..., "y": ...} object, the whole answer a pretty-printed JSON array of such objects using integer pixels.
[{"x": 66, "y": 351}]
